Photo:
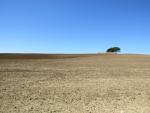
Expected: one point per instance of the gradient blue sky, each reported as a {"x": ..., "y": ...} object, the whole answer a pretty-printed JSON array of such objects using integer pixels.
[{"x": 74, "y": 26}]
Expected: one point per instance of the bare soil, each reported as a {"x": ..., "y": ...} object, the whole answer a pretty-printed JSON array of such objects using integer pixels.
[{"x": 98, "y": 83}]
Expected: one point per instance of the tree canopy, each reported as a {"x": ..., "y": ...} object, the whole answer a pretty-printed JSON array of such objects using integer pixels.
[{"x": 114, "y": 50}]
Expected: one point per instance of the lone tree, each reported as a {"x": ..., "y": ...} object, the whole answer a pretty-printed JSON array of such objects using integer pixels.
[{"x": 113, "y": 50}]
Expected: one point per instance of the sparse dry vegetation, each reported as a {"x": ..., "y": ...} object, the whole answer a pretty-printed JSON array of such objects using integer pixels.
[{"x": 91, "y": 84}]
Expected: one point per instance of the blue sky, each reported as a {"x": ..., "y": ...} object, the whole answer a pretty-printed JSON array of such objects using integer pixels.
[{"x": 74, "y": 26}]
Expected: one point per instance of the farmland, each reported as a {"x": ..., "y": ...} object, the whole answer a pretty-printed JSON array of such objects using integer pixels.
[{"x": 91, "y": 83}]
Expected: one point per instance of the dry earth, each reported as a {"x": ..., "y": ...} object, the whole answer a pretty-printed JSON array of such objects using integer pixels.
[{"x": 91, "y": 84}]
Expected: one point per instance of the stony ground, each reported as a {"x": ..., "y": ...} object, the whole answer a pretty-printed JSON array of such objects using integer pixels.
[{"x": 94, "y": 84}]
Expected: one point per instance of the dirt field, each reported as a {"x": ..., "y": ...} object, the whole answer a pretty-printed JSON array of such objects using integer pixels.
[{"x": 78, "y": 84}]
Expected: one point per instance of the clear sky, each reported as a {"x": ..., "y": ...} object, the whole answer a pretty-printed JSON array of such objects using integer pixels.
[{"x": 74, "y": 26}]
